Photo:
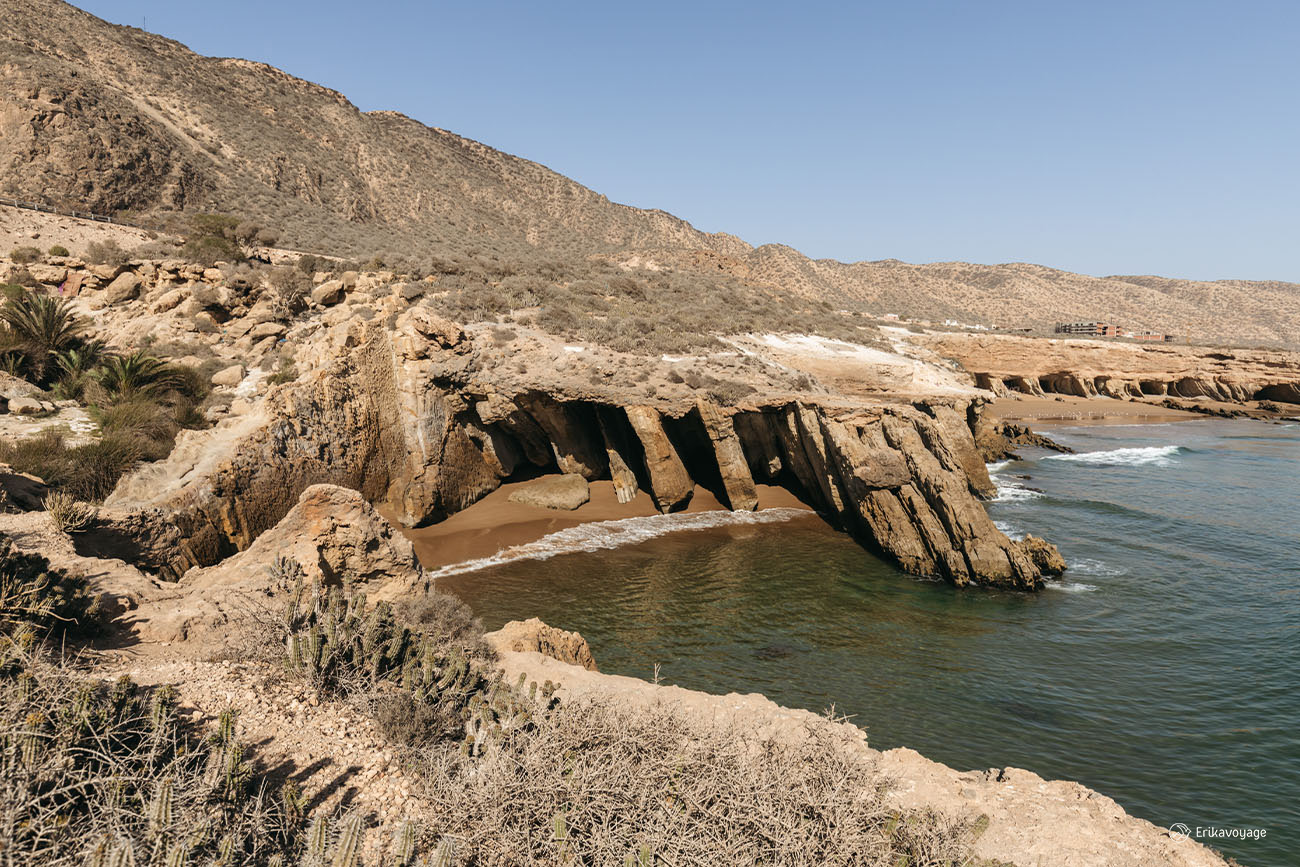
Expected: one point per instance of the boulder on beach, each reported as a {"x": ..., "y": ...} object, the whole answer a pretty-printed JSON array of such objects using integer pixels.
[{"x": 566, "y": 492}]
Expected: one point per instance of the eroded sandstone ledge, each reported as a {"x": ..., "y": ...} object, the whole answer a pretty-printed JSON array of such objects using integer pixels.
[{"x": 397, "y": 409}]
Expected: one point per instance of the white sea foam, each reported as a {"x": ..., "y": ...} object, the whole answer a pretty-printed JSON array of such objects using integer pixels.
[
  {"x": 1011, "y": 492},
  {"x": 1088, "y": 566},
  {"x": 1011, "y": 530},
  {"x": 1161, "y": 456},
  {"x": 606, "y": 535},
  {"x": 1070, "y": 586},
  {"x": 998, "y": 467}
]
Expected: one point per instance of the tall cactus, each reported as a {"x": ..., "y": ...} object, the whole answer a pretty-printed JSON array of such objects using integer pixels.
[{"x": 347, "y": 849}]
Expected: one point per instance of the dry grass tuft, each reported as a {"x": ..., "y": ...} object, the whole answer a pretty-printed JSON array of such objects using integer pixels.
[{"x": 592, "y": 783}]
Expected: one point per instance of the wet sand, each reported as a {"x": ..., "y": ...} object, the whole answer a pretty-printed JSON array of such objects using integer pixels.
[{"x": 494, "y": 523}]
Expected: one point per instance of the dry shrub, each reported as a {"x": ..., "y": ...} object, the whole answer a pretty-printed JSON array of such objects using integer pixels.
[
  {"x": 105, "y": 253},
  {"x": 592, "y": 783},
  {"x": 69, "y": 514},
  {"x": 446, "y": 620},
  {"x": 24, "y": 255},
  {"x": 113, "y": 775}
]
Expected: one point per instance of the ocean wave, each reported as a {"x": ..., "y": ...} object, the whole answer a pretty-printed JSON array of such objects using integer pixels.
[
  {"x": 1012, "y": 531},
  {"x": 1088, "y": 566},
  {"x": 1161, "y": 456},
  {"x": 997, "y": 467},
  {"x": 606, "y": 535},
  {"x": 1070, "y": 586},
  {"x": 1012, "y": 492}
]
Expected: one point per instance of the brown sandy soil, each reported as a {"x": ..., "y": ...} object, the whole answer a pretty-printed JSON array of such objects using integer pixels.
[
  {"x": 23, "y": 228},
  {"x": 494, "y": 523},
  {"x": 1066, "y": 410}
]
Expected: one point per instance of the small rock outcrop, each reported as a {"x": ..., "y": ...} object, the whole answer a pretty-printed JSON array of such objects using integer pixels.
[
  {"x": 521, "y": 636},
  {"x": 332, "y": 533},
  {"x": 996, "y": 440},
  {"x": 564, "y": 493}
]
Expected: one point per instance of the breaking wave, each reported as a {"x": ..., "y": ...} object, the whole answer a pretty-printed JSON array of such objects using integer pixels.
[
  {"x": 1087, "y": 566},
  {"x": 1012, "y": 531},
  {"x": 1070, "y": 586},
  {"x": 1161, "y": 456},
  {"x": 606, "y": 535}
]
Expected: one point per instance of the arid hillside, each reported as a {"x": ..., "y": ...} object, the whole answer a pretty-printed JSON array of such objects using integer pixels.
[{"x": 110, "y": 119}]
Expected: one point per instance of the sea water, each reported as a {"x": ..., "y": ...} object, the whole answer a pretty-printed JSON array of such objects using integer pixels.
[{"x": 1163, "y": 669}]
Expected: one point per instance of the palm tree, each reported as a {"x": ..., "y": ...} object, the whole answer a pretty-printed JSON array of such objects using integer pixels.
[
  {"x": 125, "y": 376},
  {"x": 43, "y": 324},
  {"x": 80, "y": 360},
  {"x": 47, "y": 324},
  {"x": 75, "y": 365}
]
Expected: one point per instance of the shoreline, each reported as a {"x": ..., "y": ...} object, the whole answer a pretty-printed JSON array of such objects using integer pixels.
[
  {"x": 494, "y": 524},
  {"x": 1064, "y": 410}
]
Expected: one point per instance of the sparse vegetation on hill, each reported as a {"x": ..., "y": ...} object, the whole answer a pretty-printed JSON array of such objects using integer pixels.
[
  {"x": 384, "y": 188},
  {"x": 140, "y": 401}
]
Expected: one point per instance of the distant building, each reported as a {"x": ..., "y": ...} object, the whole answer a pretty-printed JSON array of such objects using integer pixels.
[
  {"x": 1151, "y": 336},
  {"x": 1090, "y": 329}
]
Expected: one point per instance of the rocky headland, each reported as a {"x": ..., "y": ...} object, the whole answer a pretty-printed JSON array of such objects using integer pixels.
[
  {"x": 367, "y": 399},
  {"x": 243, "y": 448}
]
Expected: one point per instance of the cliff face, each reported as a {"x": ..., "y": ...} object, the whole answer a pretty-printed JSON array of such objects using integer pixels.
[
  {"x": 398, "y": 409},
  {"x": 1096, "y": 368}
]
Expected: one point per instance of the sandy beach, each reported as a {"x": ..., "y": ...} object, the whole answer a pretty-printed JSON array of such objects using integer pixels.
[
  {"x": 494, "y": 523},
  {"x": 1059, "y": 410}
]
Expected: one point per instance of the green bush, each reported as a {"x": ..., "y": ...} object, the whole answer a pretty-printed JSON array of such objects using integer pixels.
[
  {"x": 211, "y": 249},
  {"x": 215, "y": 238},
  {"x": 59, "y": 250},
  {"x": 432, "y": 684},
  {"x": 139, "y": 373},
  {"x": 24, "y": 255},
  {"x": 88, "y": 472}
]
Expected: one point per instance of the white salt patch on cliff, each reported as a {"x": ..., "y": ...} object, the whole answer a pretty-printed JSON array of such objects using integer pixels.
[
  {"x": 1158, "y": 455},
  {"x": 606, "y": 535},
  {"x": 251, "y": 384},
  {"x": 825, "y": 347}
]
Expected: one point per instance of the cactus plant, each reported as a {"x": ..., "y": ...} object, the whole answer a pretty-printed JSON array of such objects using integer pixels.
[{"x": 347, "y": 849}]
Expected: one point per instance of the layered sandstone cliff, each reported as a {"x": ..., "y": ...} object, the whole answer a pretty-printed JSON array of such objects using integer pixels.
[
  {"x": 1009, "y": 365},
  {"x": 402, "y": 409}
]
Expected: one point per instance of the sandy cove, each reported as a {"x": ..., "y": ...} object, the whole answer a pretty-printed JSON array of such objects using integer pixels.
[{"x": 495, "y": 523}]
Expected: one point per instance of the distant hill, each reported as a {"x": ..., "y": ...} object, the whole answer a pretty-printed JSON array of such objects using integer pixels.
[{"x": 109, "y": 118}]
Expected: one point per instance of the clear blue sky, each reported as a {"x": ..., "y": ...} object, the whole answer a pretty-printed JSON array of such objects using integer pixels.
[{"x": 1150, "y": 136}]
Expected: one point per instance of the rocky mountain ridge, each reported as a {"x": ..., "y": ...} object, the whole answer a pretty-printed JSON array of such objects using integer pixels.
[{"x": 110, "y": 118}]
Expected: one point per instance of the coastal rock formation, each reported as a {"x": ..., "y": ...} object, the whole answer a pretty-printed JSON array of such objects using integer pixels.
[
  {"x": 332, "y": 533},
  {"x": 532, "y": 635},
  {"x": 995, "y": 439},
  {"x": 400, "y": 413},
  {"x": 1007, "y": 365}
]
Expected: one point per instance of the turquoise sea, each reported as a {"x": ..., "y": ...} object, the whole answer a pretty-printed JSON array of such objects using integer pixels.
[{"x": 1163, "y": 670}]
